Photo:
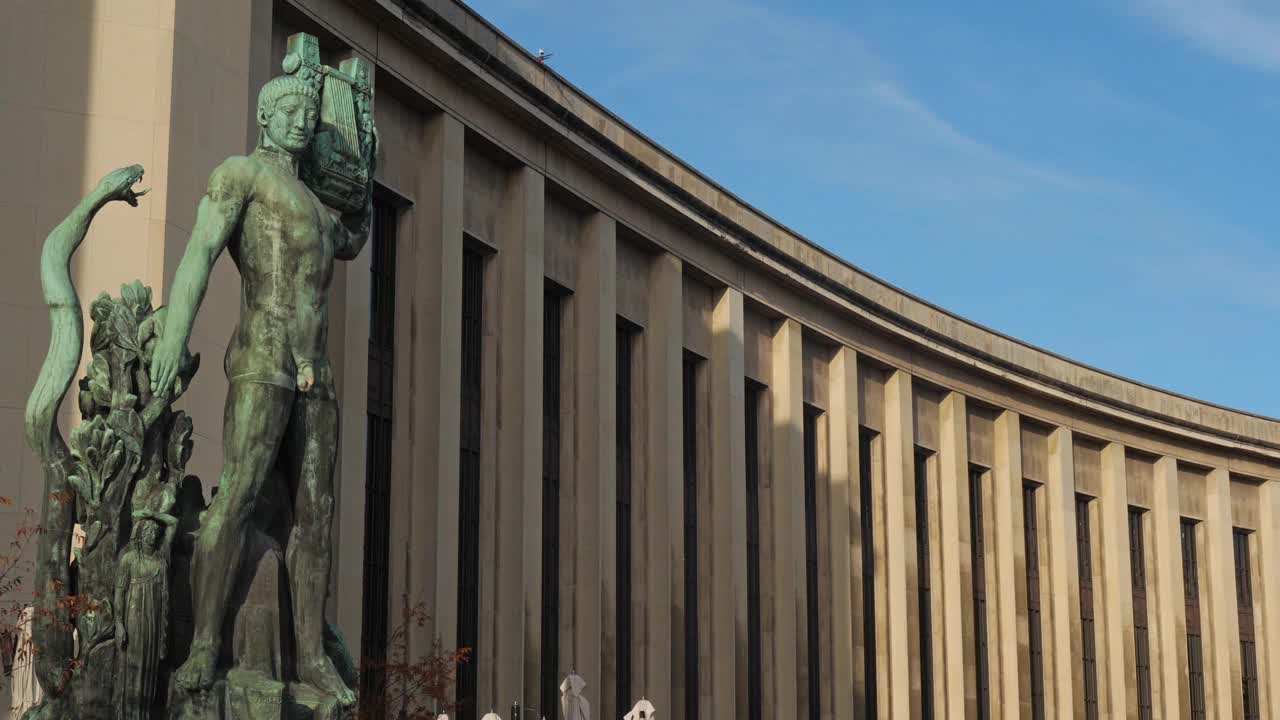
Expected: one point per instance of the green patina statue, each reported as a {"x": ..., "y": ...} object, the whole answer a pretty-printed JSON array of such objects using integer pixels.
[{"x": 235, "y": 641}]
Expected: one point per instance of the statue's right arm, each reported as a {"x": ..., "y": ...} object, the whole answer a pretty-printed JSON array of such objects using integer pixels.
[
  {"x": 218, "y": 216},
  {"x": 122, "y": 596}
]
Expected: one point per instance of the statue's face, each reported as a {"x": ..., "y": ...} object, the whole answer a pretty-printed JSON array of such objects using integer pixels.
[
  {"x": 291, "y": 123},
  {"x": 151, "y": 535}
]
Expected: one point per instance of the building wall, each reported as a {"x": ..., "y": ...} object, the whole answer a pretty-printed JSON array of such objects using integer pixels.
[{"x": 484, "y": 149}]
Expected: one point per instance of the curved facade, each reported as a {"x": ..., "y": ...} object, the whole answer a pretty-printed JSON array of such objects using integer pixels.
[{"x": 601, "y": 415}]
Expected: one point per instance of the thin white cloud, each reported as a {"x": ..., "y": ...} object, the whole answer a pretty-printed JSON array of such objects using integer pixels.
[{"x": 1241, "y": 31}]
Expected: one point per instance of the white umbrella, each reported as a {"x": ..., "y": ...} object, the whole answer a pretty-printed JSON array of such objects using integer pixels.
[
  {"x": 643, "y": 710},
  {"x": 572, "y": 701}
]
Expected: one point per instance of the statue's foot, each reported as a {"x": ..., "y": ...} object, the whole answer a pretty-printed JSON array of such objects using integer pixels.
[
  {"x": 196, "y": 674},
  {"x": 320, "y": 674}
]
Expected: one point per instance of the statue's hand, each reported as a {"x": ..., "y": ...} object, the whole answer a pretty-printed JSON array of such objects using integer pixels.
[
  {"x": 165, "y": 363},
  {"x": 118, "y": 185}
]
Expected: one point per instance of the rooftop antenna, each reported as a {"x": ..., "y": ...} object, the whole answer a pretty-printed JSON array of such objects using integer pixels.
[{"x": 543, "y": 56}]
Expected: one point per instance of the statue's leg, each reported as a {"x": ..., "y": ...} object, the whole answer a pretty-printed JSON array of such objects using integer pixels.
[
  {"x": 253, "y": 426},
  {"x": 311, "y": 451}
]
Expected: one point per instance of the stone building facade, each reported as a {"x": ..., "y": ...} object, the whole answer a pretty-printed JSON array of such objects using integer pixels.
[{"x": 601, "y": 415}]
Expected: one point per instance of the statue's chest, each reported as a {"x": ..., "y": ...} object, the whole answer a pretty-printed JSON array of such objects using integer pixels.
[{"x": 287, "y": 225}]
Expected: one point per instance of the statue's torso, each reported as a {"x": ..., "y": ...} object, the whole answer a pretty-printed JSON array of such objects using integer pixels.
[{"x": 285, "y": 257}]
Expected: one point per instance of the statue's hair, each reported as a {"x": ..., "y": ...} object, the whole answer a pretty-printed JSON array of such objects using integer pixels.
[{"x": 282, "y": 86}]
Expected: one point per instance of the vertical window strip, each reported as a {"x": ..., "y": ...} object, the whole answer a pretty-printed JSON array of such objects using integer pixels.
[
  {"x": 811, "y": 554},
  {"x": 552, "y": 310},
  {"x": 978, "y": 546},
  {"x": 1142, "y": 641},
  {"x": 867, "y": 529},
  {"x": 378, "y": 448},
  {"x": 1031, "y": 536},
  {"x": 625, "y": 345},
  {"x": 469, "y": 478},
  {"x": 1089, "y": 650},
  {"x": 755, "y": 694},
  {"x": 923, "y": 573},
  {"x": 1195, "y": 646},
  {"x": 1248, "y": 640},
  {"x": 692, "y": 688}
]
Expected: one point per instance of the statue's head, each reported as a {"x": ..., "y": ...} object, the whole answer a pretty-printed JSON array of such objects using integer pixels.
[
  {"x": 287, "y": 112},
  {"x": 149, "y": 533}
]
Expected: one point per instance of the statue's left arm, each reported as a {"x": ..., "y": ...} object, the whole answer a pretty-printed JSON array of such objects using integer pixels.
[{"x": 350, "y": 231}]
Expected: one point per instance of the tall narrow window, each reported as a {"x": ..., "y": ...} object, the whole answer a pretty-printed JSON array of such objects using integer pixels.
[
  {"x": 811, "y": 552},
  {"x": 381, "y": 392},
  {"x": 469, "y": 478},
  {"x": 755, "y": 656},
  {"x": 1089, "y": 649},
  {"x": 626, "y": 343},
  {"x": 978, "y": 545},
  {"x": 867, "y": 530},
  {"x": 1191, "y": 592},
  {"x": 923, "y": 573},
  {"x": 552, "y": 308},
  {"x": 1142, "y": 641},
  {"x": 691, "y": 686},
  {"x": 1244, "y": 603},
  {"x": 1035, "y": 637}
]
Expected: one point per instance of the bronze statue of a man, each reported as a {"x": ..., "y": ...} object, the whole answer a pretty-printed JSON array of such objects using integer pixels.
[{"x": 281, "y": 411}]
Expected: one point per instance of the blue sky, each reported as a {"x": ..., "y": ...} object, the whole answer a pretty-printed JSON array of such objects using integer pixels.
[{"x": 1097, "y": 177}]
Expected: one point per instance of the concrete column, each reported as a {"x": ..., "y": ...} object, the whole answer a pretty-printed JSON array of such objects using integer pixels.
[
  {"x": 1221, "y": 618},
  {"x": 517, "y": 526},
  {"x": 1062, "y": 622},
  {"x": 844, "y": 463},
  {"x": 952, "y": 531},
  {"x": 1010, "y": 571},
  {"x": 1116, "y": 653},
  {"x": 786, "y": 499},
  {"x": 894, "y": 677},
  {"x": 436, "y": 374},
  {"x": 1266, "y": 597},
  {"x": 662, "y": 520},
  {"x": 594, "y": 489},
  {"x": 726, "y": 698},
  {"x": 1165, "y": 596}
]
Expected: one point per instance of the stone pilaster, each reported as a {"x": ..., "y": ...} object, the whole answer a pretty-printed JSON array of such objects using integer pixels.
[
  {"x": 1010, "y": 570},
  {"x": 662, "y": 521},
  {"x": 1165, "y": 594},
  {"x": 517, "y": 584},
  {"x": 1220, "y": 616},
  {"x": 594, "y": 484},
  {"x": 785, "y": 496},
  {"x": 1062, "y": 623},
  {"x": 1117, "y": 671},
  {"x": 894, "y": 676},
  {"x": 728, "y": 523},
  {"x": 952, "y": 531},
  {"x": 844, "y": 463}
]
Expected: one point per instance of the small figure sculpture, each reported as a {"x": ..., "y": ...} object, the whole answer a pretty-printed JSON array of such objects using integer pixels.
[{"x": 142, "y": 617}]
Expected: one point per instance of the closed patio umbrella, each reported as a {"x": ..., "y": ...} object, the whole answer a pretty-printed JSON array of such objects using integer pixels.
[
  {"x": 572, "y": 701},
  {"x": 643, "y": 710}
]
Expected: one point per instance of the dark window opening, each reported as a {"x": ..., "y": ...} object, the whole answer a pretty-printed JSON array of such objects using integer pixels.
[
  {"x": 978, "y": 545},
  {"x": 1191, "y": 593},
  {"x": 469, "y": 479},
  {"x": 552, "y": 309},
  {"x": 811, "y": 553},
  {"x": 867, "y": 529},
  {"x": 755, "y": 680},
  {"x": 691, "y": 363},
  {"x": 625, "y": 346},
  {"x": 377, "y": 508},
  {"x": 1248, "y": 641},
  {"x": 925, "y": 585},
  {"x": 1141, "y": 636},
  {"x": 1031, "y": 536},
  {"x": 1088, "y": 635}
]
